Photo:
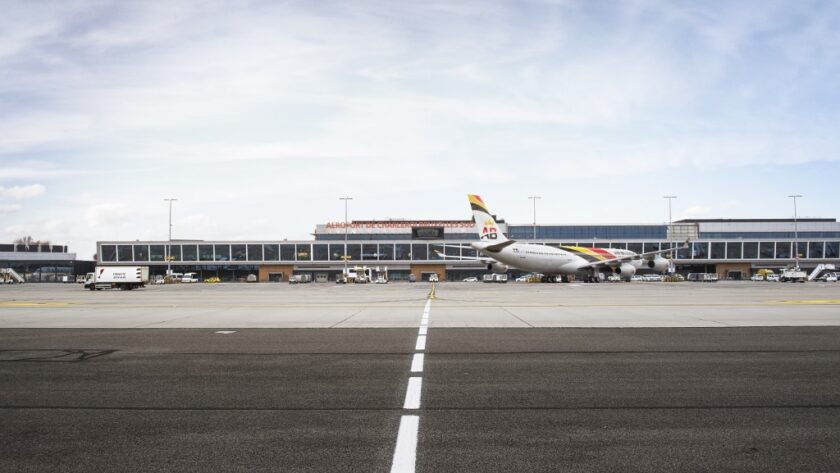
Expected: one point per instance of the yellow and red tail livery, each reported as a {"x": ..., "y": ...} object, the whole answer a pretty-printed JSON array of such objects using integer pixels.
[{"x": 485, "y": 224}]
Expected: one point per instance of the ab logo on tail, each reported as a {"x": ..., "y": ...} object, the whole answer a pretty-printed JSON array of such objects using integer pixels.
[{"x": 489, "y": 232}]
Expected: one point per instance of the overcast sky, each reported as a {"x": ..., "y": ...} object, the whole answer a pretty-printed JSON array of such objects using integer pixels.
[{"x": 257, "y": 116}]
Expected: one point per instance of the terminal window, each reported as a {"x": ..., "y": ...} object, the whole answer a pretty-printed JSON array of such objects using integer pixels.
[
  {"x": 255, "y": 252},
  {"x": 108, "y": 252},
  {"x": 222, "y": 252},
  {"x": 141, "y": 252},
  {"x": 237, "y": 253},
  {"x": 272, "y": 253},
  {"x": 733, "y": 250},
  {"x": 205, "y": 252},
  {"x": 386, "y": 251},
  {"x": 157, "y": 252},
  {"x": 304, "y": 252},
  {"x": 190, "y": 253}
]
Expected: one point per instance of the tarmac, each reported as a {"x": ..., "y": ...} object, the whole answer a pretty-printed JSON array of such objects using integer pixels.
[{"x": 519, "y": 377}]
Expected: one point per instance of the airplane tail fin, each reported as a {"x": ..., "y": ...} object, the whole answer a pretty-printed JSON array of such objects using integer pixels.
[{"x": 486, "y": 226}]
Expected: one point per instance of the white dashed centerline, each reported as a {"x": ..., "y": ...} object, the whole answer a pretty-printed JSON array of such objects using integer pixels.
[
  {"x": 405, "y": 453},
  {"x": 417, "y": 363},
  {"x": 412, "y": 394}
]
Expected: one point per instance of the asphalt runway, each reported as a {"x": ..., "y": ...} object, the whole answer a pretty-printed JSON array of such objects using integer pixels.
[{"x": 490, "y": 399}]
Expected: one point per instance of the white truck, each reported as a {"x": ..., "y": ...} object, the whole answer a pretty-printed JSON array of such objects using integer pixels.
[
  {"x": 300, "y": 279},
  {"x": 496, "y": 277},
  {"x": 120, "y": 277},
  {"x": 793, "y": 274}
]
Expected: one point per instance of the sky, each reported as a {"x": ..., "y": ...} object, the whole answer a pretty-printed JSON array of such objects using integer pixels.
[{"x": 258, "y": 115}]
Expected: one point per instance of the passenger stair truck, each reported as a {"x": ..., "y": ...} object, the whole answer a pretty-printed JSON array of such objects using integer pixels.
[
  {"x": 120, "y": 277},
  {"x": 821, "y": 268},
  {"x": 10, "y": 276}
]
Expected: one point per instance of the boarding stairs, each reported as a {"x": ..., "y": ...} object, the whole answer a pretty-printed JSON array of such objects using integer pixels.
[
  {"x": 821, "y": 268},
  {"x": 9, "y": 275}
]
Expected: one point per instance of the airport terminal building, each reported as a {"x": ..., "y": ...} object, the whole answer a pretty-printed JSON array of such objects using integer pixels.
[
  {"x": 732, "y": 248},
  {"x": 42, "y": 263}
]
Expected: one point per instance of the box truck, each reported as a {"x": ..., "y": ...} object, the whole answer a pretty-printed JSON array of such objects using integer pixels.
[{"x": 120, "y": 277}]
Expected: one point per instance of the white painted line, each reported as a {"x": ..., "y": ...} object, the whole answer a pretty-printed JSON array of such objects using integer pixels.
[
  {"x": 423, "y": 330},
  {"x": 405, "y": 454},
  {"x": 226, "y": 332},
  {"x": 421, "y": 343},
  {"x": 412, "y": 394},
  {"x": 417, "y": 363}
]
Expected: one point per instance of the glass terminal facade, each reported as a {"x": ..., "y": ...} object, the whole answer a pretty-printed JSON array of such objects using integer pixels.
[
  {"x": 396, "y": 252},
  {"x": 730, "y": 247}
]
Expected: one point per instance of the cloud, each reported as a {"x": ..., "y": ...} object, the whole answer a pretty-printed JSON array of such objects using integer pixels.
[
  {"x": 276, "y": 102},
  {"x": 6, "y": 209},
  {"x": 695, "y": 211},
  {"x": 42, "y": 228},
  {"x": 102, "y": 214},
  {"x": 22, "y": 192}
]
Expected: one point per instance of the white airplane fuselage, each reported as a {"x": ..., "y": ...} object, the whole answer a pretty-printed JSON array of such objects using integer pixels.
[
  {"x": 547, "y": 259},
  {"x": 553, "y": 260}
]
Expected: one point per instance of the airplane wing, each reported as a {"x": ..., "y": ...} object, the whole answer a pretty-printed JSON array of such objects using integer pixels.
[
  {"x": 498, "y": 246},
  {"x": 624, "y": 259}
]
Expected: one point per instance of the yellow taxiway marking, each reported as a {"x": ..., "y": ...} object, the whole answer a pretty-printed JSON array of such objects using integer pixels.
[
  {"x": 811, "y": 301},
  {"x": 33, "y": 304}
]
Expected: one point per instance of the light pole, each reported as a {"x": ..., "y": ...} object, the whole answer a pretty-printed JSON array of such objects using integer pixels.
[
  {"x": 670, "y": 198},
  {"x": 534, "y": 198},
  {"x": 795, "y": 230},
  {"x": 168, "y": 253},
  {"x": 670, "y": 219},
  {"x": 669, "y": 234},
  {"x": 345, "y": 199}
]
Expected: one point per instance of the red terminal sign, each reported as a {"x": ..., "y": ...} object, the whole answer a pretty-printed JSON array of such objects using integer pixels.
[{"x": 401, "y": 224}]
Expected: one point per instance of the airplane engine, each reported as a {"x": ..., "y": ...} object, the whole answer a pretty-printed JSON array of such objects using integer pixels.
[
  {"x": 626, "y": 271},
  {"x": 497, "y": 268},
  {"x": 658, "y": 264}
]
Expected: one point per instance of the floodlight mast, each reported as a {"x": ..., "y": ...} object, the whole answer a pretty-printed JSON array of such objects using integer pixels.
[
  {"x": 345, "y": 199},
  {"x": 168, "y": 253},
  {"x": 534, "y": 198},
  {"x": 670, "y": 231},
  {"x": 795, "y": 231}
]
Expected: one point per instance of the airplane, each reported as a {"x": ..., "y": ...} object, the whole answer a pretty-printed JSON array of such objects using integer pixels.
[{"x": 555, "y": 262}]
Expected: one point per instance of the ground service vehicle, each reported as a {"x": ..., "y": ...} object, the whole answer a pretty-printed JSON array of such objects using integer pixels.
[
  {"x": 496, "y": 277},
  {"x": 793, "y": 275},
  {"x": 10, "y": 276},
  {"x": 300, "y": 279},
  {"x": 433, "y": 277},
  {"x": 120, "y": 277},
  {"x": 189, "y": 278}
]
